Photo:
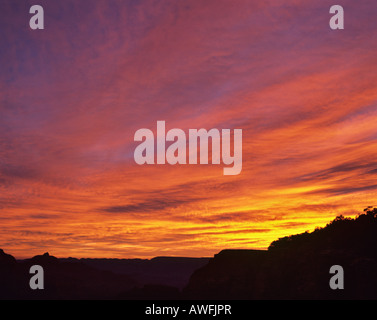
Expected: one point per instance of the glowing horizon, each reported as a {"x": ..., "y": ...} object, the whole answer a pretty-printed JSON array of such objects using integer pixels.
[{"x": 73, "y": 95}]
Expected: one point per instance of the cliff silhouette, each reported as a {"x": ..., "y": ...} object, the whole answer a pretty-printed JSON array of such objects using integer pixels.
[
  {"x": 297, "y": 266},
  {"x": 293, "y": 267}
]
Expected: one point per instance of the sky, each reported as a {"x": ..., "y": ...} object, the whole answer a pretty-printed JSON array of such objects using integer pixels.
[{"x": 73, "y": 95}]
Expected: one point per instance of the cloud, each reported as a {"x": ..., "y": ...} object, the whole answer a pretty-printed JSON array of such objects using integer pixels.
[
  {"x": 11, "y": 171},
  {"x": 360, "y": 167},
  {"x": 344, "y": 190},
  {"x": 149, "y": 205}
]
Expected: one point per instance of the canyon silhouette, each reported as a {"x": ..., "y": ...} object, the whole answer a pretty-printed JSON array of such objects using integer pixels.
[{"x": 293, "y": 267}]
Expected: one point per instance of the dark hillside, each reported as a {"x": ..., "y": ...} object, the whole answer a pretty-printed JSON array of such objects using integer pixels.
[{"x": 297, "y": 266}]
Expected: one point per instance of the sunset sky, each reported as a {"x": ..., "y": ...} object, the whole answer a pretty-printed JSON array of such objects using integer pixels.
[{"x": 73, "y": 95}]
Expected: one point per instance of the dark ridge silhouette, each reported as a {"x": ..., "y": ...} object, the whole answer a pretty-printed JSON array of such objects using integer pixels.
[
  {"x": 297, "y": 266},
  {"x": 71, "y": 278},
  {"x": 62, "y": 280},
  {"x": 167, "y": 271},
  {"x": 293, "y": 267}
]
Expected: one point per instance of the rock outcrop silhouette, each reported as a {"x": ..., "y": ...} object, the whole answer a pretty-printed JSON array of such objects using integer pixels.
[{"x": 297, "y": 266}]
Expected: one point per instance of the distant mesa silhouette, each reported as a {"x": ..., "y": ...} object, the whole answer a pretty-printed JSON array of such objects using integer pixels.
[
  {"x": 44, "y": 259},
  {"x": 293, "y": 267}
]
